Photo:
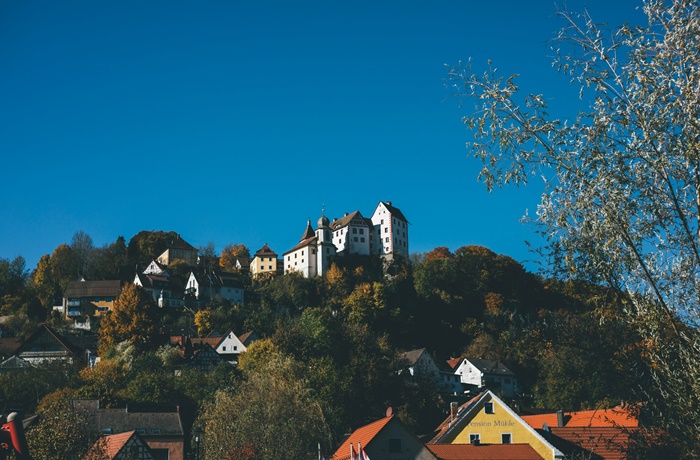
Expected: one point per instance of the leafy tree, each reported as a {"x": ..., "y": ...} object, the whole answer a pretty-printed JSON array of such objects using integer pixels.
[
  {"x": 134, "y": 318},
  {"x": 272, "y": 415},
  {"x": 231, "y": 253},
  {"x": 622, "y": 182},
  {"x": 147, "y": 245},
  {"x": 62, "y": 431},
  {"x": 207, "y": 256}
]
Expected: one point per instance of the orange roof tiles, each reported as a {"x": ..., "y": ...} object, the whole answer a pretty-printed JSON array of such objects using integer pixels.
[
  {"x": 610, "y": 443},
  {"x": 363, "y": 435},
  {"x": 484, "y": 452},
  {"x": 617, "y": 416}
]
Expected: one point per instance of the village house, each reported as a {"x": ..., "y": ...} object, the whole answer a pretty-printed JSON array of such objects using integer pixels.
[
  {"x": 384, "y": 439},
  {"x": 487, "y": 420},
  {"x": 477, "y": 374},
  {"x": 263, "y": 263},
  {"x": 203, "y": 285},
  {"x": 45, "y": 345},
  {"x": 179, "y": 249},
  {"x": 160, "y": 427},
  {"x": 419, "y": 362},
  {"x": 90, "y": 298},
  {"x": 166, "y": 290}
]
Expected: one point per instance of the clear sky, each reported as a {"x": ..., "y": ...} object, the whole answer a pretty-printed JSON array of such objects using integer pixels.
[{"x": 236, "y": 121}]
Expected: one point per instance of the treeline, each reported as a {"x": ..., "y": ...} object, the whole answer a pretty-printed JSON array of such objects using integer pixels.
[{"x": 335, "y": 341}]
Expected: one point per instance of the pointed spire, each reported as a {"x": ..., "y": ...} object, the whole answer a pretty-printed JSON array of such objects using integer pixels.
[{"x": 309, "y": 232}]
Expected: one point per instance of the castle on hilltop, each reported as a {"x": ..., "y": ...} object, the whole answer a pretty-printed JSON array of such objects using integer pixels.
[{"x": 384, "y": 234}]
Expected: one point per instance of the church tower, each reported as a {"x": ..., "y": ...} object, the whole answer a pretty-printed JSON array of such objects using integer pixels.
[{"x": 325, "y": 249}]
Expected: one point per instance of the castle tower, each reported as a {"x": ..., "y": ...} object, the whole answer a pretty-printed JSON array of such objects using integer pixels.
[{"x": 325, "y": 249}]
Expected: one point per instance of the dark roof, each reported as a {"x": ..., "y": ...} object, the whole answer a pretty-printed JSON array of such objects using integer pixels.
[
  {"x": 248, "y": 338},
  {"x": 308, "y": 233},
  {"x": 412, "y": 356},
  {"x": 394, "y": 211},
  {"x": 484, "y": 452},
  {"x": 217, "y": 279},
  {"x": 179, "y": 243},
  {"x": 53, "y": 336},
  {"x": 488, "y": 366},
  {"x": 345, "y": 220},
  {"x": 302, "y": 244},
  {"x": 14, "y": 363},
  {"x": 155, "y": 422},
  {"x": 109, "y": 288},
  {"x": 8, "y": 345},
  {"x": 263, "y": 251}
]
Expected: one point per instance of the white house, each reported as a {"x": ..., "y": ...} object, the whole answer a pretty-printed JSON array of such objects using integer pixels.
[
  {"x": 204, "y": 285},
  {"x": 485, "y": 373},
  {"x": 312, "y": 256},
  {"x": 421, "y": 363},
  {"x": 165, "y": 290},
  {"x": 390, "y": 231},
  {"x": 351, "y": 234}
]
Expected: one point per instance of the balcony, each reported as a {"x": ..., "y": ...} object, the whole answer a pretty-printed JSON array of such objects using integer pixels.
[
  {"x": 73, "y": 302},
  {"x": 73, "y": 312}
]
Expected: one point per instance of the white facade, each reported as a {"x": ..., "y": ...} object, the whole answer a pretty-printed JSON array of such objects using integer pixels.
[
  {"x": 230, "y": 344},
  {"x": 485, "y": 373},
  {"x": 390, "y": 232},
  {"x": 208, "y": 285},
  {"x": 352, "y": 234}
]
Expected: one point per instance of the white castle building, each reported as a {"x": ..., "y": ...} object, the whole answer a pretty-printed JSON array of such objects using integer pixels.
[{"x": 385, "y": 234}]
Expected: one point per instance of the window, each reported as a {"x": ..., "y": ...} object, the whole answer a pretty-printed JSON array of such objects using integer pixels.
[
  {"x": 506, "y": 438},
  {"x": 488, "y": 408},
  {"x": 302, "y": 253},
  {"x": 386, "y": 240},
  {"x": 270, "y": 267},
  {"x": 362, "y": 231},
  {"x": 386, "y": 229},
  {"x": 355, "y": 239},
  {"x": 224, "y": 349},
  {"x": 155, "y": 431},
  {"x": 395, "y": 445},
  {"x": 235, "y": 348},
  {"x": 106, "y": 431},
  {"x": 302, "y": 261},
  {"x": 382, "y": 221},
  {"x": 354, "y": 231},
  {"x": 474, "y": 439},
  {"x": 362, "y": 240}
]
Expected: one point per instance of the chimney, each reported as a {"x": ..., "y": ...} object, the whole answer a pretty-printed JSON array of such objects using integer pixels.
[
  {"x": 345, "y": 214},
  {"x": 560, "y": 417},
  {"x": 389, "y": 203},
  {"x": 454, "y": 406}
]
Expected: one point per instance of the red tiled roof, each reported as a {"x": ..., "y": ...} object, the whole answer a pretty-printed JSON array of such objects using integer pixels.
[
  {"x": 363, "y": 435},
  {"x": 108, "y": 447},
  {"x": 617, "y": 416},
  {"x": 484, "y": 452},
  {"x": 454, "y": 362},
  {"x": 445, "y": 426},
  {"x": 610, "y": 443}
]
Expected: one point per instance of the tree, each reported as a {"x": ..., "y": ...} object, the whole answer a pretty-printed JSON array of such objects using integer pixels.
[
  {"x": 272, "y": 415},
  {"x": 62, "y": 431},
  {"x": 230, "y": 254},
  {"x": 133, "y": 318},
  {"x": 622, "y": 179}
]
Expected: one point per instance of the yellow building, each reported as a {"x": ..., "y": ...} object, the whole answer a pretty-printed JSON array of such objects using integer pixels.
[
  {"x": 179, "y": 249},
  {"x": 264, "y": 262},
  {"x": 90, "y": 298},
  {"x": 487, "y": 420}
]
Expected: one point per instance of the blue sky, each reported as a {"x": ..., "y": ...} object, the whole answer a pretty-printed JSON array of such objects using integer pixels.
[{"x": 236, "y": 121}]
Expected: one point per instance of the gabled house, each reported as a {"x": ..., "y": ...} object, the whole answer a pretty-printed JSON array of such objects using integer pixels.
[
  {"x": 90, "y": 298},
  {"x": 205, "y": 284},
  {"x": 477, "y": 374},
  {"x": 160, "y": 428},
  {"x": 179, "y": 249},
  {"x": 263, "y": 263},
  {"x": 384, "y": 439},
  {"x": 390, "y": 231},
  {"x": 204, "y": 358},
  {"x": 122, "y": 446},
  {"x": 166, "y": 290},
  {"x": 419, "y": 362},
  {"x": 45, "y": 344},
  {"x": 302, "y": 258},
  {"x": 228, "y": 346},
  {"x": 351, "y": 234},
  {"x": 485, "y": 419}
]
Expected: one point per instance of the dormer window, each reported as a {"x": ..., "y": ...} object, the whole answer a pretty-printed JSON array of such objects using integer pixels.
[{"x": 488, "y": 408}]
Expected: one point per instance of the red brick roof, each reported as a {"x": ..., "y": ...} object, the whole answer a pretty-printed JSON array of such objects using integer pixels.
[
  {"x": 363, "y": 435},
  {"x": 617, "y": 416},
  {"x": 484, "y": 452}
]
